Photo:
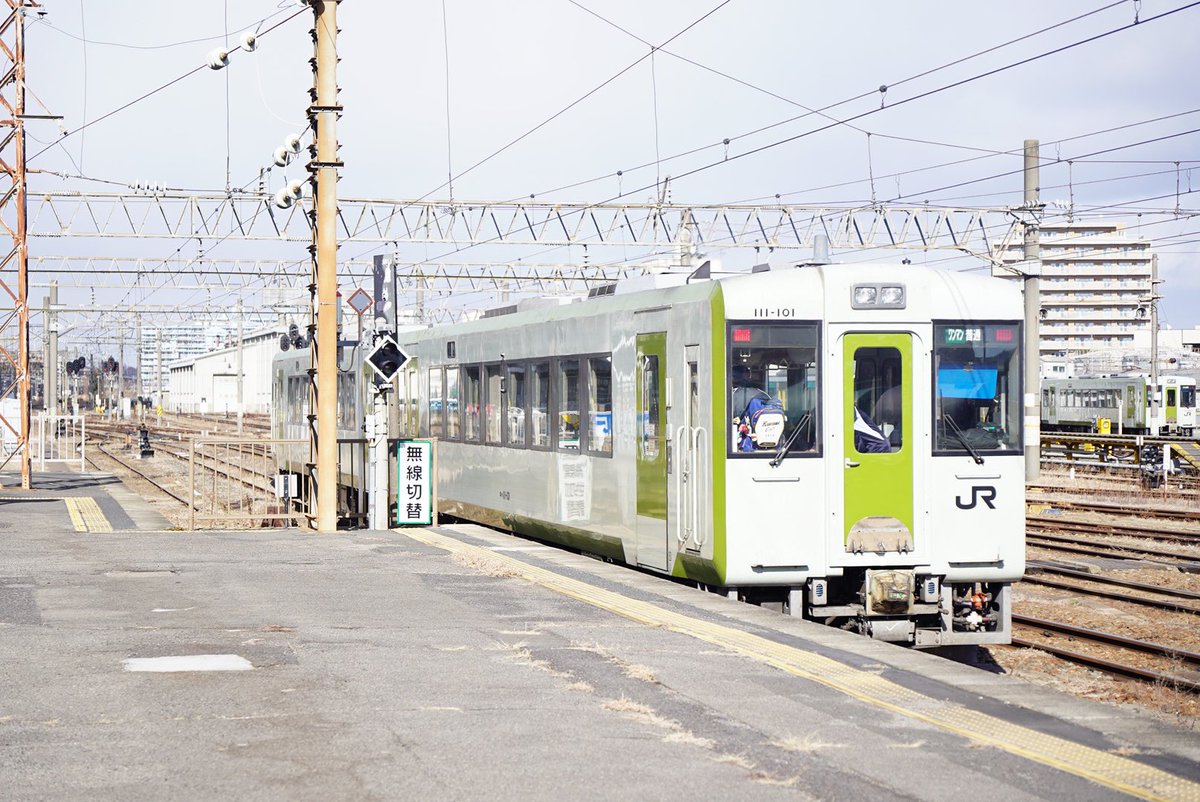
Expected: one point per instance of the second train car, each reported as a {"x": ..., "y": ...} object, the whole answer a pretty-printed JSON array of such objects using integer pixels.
[
  {"x": 843, "y": 440},
  {"x": 1077, "y": 405}
]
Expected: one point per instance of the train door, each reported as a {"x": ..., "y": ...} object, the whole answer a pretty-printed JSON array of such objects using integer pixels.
[
  {"x": 651, "y": 456},
  {"x": 878, "y": 443},
  {"x": 1172, "y": 406}
]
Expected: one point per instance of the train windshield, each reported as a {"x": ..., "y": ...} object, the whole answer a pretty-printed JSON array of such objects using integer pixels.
[
  {"x": 1187, "y": 396},
  {"x": 977, "y": 387},
  {"x": 773, "y": 389}
]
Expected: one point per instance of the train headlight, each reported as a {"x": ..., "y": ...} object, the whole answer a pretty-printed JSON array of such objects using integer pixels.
[
  {"x": 891, "y": 296},
  {"x": 866, "y": 296},
  {"x": 878, "y": 296}
]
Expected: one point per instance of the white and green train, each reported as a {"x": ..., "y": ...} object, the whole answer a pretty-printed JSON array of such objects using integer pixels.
[
  {"x": 1077, "y": 405},
  {"x": 841, "y": 440}
]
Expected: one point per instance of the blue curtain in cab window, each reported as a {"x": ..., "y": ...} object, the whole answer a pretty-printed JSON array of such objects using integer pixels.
[{"x": 979, "y": 383}]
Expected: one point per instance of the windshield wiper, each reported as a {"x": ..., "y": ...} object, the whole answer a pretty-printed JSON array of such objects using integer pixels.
[
  {"x": 786, "y": 445},
  {"x": 962, "y": 438}
]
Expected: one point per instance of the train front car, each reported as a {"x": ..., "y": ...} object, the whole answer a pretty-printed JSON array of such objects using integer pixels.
[{"x": 889, "y": 496}]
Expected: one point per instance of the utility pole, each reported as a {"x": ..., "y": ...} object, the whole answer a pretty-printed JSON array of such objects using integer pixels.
[
  {"x": 118, "y": 407},
  {"x": 322, "y": 116},
  {"x": 141, "y": 382},
  {"x": 1033, "y": 302},
  {"x": 240, "y": 404},
  {"x": 158, "y": 370},
  {"x": 50, "y": 373}
]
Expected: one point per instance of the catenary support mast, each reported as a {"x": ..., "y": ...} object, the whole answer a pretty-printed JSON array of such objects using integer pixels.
[
  {"x": 322, "y": 114},
  {"x": 14, "y": 318},
  {"x": 1033, "y": 304}
]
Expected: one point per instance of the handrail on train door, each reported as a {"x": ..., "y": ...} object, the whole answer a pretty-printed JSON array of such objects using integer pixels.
[
  {"x": 698, "y": 454},
  {"x": 690, "y": 451},
  {"x": 682, "y": 460}
]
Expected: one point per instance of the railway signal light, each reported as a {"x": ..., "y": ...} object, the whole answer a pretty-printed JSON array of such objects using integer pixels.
[{"x": 387, "y": 358}]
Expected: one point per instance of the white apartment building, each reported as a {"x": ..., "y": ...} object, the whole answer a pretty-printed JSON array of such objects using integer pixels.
[
  {"x": 1094, "y": 279},
  {"x": 162, "y": 345}
]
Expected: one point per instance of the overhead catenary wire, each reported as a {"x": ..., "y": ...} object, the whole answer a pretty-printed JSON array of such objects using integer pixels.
[
  {"x": 151, "y": 93},
  {"x": 819, "y": 111},
  {"x": 46, "y": 24},
  {"x": 893, "y": 104},
  {"x": 1045, "y": 160}
]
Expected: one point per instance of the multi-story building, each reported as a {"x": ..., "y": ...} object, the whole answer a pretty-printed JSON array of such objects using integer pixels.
[
  {"x": 162, "y": 345},
  {"x": 1094, "y": 285}
]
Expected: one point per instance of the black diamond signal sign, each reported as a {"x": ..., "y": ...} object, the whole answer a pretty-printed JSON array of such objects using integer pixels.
[{"x": 387, "y": 358}]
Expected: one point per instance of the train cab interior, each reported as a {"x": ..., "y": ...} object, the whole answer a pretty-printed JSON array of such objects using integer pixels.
[
  {"x": 977, "y": 381},
  {"x": 773, "y": 389}
]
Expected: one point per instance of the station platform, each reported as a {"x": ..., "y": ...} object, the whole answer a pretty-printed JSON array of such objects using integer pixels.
[{"x": 460, "y": 663}]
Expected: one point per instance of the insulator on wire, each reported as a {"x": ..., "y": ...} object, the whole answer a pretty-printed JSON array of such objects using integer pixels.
[{"x": 218, "y": 59}]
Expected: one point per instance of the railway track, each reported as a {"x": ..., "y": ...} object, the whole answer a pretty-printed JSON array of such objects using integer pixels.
[
  {"x": 1145, "y": 661},
  {"x": 1086, "y": 547},
  {"x": 1049, "y": 630},
  {"x": 1173, "y": 512},
  {"x": 1131, "y": 592},
  {"x": 1092, "y": 528},
  {"x": 137, "y": 471}
]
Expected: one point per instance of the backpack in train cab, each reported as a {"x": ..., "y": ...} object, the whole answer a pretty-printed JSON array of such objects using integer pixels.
[{"x": 766, "y": 420}]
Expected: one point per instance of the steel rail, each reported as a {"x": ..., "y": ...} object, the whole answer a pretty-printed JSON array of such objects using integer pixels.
[
  {"x": 1180, "y": 561},
  {"x": 1101, "y": 636},
  {"x": 1110, "y": 666},
  {"x": 1112, "y": 508},
  {"x": 1050, "y": 568},
  {"x": 1162, "y": 604},
  {"x": 100, "y": 447},
  {"x": 1106, "y": 527}
]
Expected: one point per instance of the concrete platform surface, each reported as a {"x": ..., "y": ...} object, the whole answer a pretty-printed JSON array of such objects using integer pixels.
[{"x": 462, "y": 664}]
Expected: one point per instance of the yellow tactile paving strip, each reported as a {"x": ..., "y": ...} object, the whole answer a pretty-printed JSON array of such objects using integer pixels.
[
  {"x": 85, "y": 513},
  {"x": 1111, "y": 770},
  {"x": 85, "y": 509}
]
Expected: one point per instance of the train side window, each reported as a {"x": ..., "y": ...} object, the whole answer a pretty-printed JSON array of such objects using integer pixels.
[
  {"x": 567, "y": 404},
  {"x": 977, "y": 387},
  {"x": 409, "y": 412},
  {"x": 453, "y": 421},
  {"x": 436, "y": 410},
  {"x": 472, "y": 392},
  {"x": 600, "y": 412},
  {"x": 539, "y": 404},
  {"x": 516, "y": 406},
  {"x": 493, "y": 383}
]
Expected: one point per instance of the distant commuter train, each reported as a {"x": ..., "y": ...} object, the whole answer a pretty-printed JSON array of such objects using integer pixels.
[
  {"x": 1077, "y": 404},
  {"x": 843, "y": 440}
]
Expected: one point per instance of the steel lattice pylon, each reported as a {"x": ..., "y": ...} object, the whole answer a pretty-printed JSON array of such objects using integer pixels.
[{"x": 14, "y": 306}]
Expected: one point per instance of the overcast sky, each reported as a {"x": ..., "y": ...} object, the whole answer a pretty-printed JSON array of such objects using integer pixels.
[{"x": 747, "y": 65}]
